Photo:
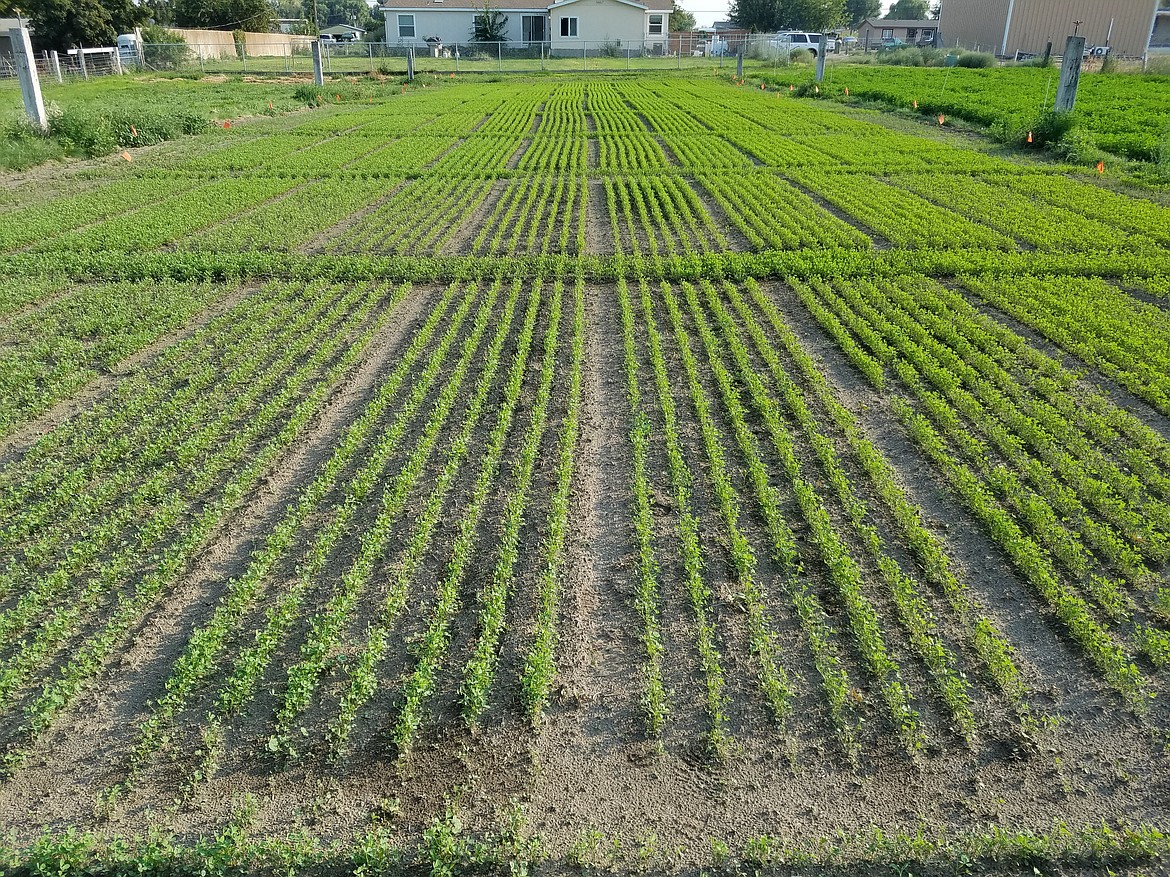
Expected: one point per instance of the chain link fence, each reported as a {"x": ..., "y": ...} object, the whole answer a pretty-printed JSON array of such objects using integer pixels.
[{"x": 686, "y": 51}]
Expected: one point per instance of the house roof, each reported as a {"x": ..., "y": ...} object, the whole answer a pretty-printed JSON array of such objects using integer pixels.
[
  {"x": 900, "y": 22},
  {"x": 506, "y": 6},
  {"x": 634, "y": 3},
  {"x": 342, "y": 28}
]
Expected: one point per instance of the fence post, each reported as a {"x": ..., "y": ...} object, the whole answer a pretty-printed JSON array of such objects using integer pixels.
[
  {"x": 1070, "y": 74},
  {"x": 584, "y": 56},
  {"x": 457, "y": 57},
  {"x": 30, "y": 82},
  {"x": 81, "y": 61},
  {"x": 370, "y": 49},
  {"x": 410, "y": 63},
  {"x": 318, "y": 72},
  {"x": 55, "y": 66},
  {"x": 739, "y": 65},
  {"x": 821, "y": 57},
  {"x": 627, "y": 58}
]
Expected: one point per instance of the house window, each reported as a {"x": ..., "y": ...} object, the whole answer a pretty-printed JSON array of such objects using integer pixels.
[
  {"x": 568, "y": 27},
  {"x": 406, "y": 27},
  {"x": 911, "y": 33},
  {"x": 656, "y": 24},
  {"x": 532, "y": 28},
  {"x": 887, "y": 33},
  {"x": 928, "y": 35}
]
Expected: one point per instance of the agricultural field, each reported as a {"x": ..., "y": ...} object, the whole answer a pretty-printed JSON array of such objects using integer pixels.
[
  {"x": 1122, "y": 115},
  {"x": 641, "y": 474}
]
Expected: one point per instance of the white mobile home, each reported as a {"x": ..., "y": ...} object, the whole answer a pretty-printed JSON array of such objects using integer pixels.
[{"x": 567, "y": 25}]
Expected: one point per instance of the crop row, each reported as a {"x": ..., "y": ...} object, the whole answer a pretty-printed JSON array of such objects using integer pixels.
[
  {"x": 1115, "y": 333},
  {"x": 140, "y": 566},
  {"x": 536, "y": 214},
  {"x": 1055, "y": 502},
  {"x": 659, "y": 215}
]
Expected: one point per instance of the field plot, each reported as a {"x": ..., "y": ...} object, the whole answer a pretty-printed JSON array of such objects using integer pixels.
[{"x": 640, "y": 474}]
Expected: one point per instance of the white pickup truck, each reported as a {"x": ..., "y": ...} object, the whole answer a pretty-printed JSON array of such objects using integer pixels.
[{"x": 800, "y": 41}]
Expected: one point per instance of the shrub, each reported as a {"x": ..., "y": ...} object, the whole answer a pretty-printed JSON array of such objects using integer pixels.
[
  {"x": 910, "y": 56},
  {"x": 975, "y": 59},
  {"x": 163, "y": 49},
  {"x": 1052, "y": 127},
  {"x": 610, "y": 49}
]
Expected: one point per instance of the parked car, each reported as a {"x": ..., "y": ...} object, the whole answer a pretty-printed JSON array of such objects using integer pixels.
[{"x": 801, "y": 41}]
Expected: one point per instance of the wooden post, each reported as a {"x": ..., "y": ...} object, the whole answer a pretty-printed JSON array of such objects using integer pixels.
[
  {"x": 26, "y": 70},
  {"x": 821, "y": 57},
  {"x": 1070, "y": 74},
  {"x": 318, "y": 72}
]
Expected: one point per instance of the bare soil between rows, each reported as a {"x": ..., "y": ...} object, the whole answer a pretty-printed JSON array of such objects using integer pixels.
[{"x": 589, "y": 765}]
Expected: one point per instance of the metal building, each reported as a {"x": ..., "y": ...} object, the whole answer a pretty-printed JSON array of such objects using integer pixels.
[{"x": 1133, "y": 28}]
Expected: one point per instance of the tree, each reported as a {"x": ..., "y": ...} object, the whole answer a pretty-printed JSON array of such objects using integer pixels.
[
  {"x": 249, "y": 15},
  {"x": 61, "y": 24},
  {"x": 758, "y": 16},
  {"x": 491, "y": 26},
  {"x": 909, "y": 10},
  {"x": 680, "y": 19},
  {"x": 815, "y": 15},
  {"x": 857, "y": 11}
]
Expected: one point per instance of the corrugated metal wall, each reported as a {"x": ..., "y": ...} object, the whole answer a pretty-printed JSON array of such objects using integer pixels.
[{"x": 1035, "y": 22}]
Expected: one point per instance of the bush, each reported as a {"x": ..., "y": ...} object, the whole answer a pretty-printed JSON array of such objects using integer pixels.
[
  {"x": 909, "y": 56},
  {"x": 975, "y": 60},
  {"x": 163, "y": 49},
  {"x": 610, "y": 49},
  {"x": 1052, "y": 127}
]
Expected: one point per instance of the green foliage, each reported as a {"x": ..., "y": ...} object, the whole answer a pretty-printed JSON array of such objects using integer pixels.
[
  {"x": 490, "y": 26},
  {"x": 680, "y": 19},
  {"x": 909, "y": 10},
  {"x": 975, "y": 60},
  {"x": 163, "y": 49},
  {"x": 256, "y": 16},
  {"x": 858, "y": 10},
  {"x": 63, "y": 24}
]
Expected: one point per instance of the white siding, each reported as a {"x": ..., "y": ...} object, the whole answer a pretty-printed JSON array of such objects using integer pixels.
[
  {"x": 452, "y": 26},
  {"x": 599, "y": 20}
]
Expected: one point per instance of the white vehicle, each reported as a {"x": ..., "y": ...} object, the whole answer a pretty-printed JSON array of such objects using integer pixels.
[
  {"x": 801, "y": 41},
  {"x": 128, "y": 49}
]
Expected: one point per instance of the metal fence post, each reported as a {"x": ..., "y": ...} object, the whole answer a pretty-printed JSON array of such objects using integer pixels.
[
  {"x": 584, "y": 56},
  {"x": 410, "y": 63},
  {"x": 457, "y": 57},
  {"x": 500, "y": 56}
]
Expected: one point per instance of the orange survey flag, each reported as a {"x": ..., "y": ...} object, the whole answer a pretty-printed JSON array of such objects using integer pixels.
[
  {"x": 1100, "y": 167},
  {"x": 127, "y": 156},
  {"x": 941, "y": 118},
  {"x": 1029, "y": 136}
]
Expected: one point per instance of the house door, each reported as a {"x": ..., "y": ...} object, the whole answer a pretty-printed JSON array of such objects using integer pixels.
[{"x": 534, "y": 28}]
